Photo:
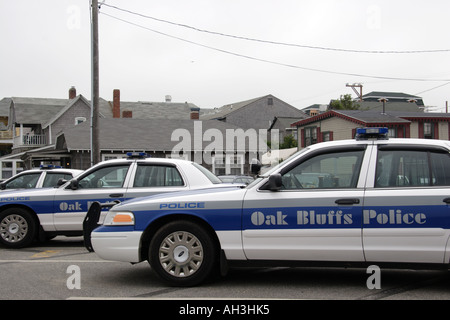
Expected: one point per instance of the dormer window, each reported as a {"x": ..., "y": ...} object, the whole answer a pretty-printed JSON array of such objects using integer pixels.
[{"x": 79, "y": 120}]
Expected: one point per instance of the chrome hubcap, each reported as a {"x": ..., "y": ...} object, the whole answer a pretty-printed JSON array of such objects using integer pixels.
[
  {"x": 181, "y": 254},
  {"x": 13, "y": 228}
]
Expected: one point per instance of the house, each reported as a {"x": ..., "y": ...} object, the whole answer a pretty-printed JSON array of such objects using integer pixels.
[
  {"x": 257, "y": 113},
  {"x": 342, "y": 124},
  {"x": 34, "y": 123},
  {"x": 284, "y": 128},
  {"x": 201, "y": 141}
]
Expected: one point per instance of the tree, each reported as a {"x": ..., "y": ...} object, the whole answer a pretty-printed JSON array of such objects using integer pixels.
[
  {"x": 289, "y": 142},
  {"x": 345, "y": 102}
]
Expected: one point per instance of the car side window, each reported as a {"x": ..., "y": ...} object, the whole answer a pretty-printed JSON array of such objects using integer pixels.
[
  {"x": 105, "y": 177},
  {"x": 27, "y": 181},
  {"x": 440, "y": 169},
  {"x": 325, "y": 171},
  {"x": 51, "y": 179},
  {"x": 412, "y": 168},
  {"x": 157, "y": 176}
]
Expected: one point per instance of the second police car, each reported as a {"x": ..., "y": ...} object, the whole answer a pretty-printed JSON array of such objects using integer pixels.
[
  {"x": 26, "y": 215},
  {"x": 364, "y": 201}
]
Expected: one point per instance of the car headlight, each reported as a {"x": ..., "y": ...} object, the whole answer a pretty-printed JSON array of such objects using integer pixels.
[{"x": 119, "y": 218}]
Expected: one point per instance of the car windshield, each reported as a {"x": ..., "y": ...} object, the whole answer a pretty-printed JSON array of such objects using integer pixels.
[
  {"x": 272, "y": 170},
  {"x": 211, "y": 176}
]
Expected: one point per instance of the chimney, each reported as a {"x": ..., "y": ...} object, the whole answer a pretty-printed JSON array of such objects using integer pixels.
[
  {"x": 195, "y": 113},
  {"x": 127, "y": 114},
  {"x": 116, "y": 103},
  {"x": 72, "y": 92}
]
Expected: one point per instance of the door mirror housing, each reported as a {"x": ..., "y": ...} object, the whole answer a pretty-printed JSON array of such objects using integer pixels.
[
  {"x": 73, "y": 184},
  {"x": 275, "y": 182}
]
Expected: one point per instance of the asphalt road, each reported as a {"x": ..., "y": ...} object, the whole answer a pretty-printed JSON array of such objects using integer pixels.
[{"x": 62, "y": 269}]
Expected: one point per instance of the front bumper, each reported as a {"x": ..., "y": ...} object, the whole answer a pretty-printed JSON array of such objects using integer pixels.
[{"x": 117, "y": 246}]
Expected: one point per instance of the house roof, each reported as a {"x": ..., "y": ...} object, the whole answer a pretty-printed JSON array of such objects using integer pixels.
[
  {"x": 374, "y": 117},
  {"x": 397, "y": 96},
  {"x": 391, "y": 105},
  {"x": 35, "y": 110},
  {"x": 159, "y": 110},
  {"x": 45, "y": 111},
  {"x": 223, "y": 111},
  {"x": 143, "y": 135},
  {"x": 5, "y": 104}
]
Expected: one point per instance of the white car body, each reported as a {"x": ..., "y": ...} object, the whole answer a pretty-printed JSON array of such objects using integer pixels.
[
  {"x": 350, "y": 213},
  {"x": 60, "y": 211}
]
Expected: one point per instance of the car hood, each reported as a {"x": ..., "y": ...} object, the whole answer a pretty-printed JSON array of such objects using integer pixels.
[
  {"x": 192, "y": 196},
  {"x": 10, "y": 195}
]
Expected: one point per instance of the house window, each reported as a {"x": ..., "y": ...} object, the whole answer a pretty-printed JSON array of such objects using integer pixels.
[
  {"x": 270, "y": 101},
  {"x": 428, "y": 129},
  {"x": 392, "y": 133},
  {"x": 327, "y": 136},
  {"x": 111, "y": 156},
  {"x": 310, "y": 136},
  {"x": 79, "y": 120},
  {"x": 228, "y": 164}
]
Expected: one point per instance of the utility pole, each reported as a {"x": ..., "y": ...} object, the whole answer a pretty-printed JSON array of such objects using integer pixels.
[
  {"x": 354, "y": 86},
  {"x": 95, "y": 144}
]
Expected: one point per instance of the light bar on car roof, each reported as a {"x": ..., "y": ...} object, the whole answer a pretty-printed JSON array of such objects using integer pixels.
[
  {"x": 379, "y": 133},
  {"x": 137, "y": 155}
]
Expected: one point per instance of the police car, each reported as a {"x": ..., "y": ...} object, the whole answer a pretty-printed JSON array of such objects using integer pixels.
[
  {"x": 46, "y": 176},
  {"x": 43, "y": 213},
  {"x": 371, "y": 200}
]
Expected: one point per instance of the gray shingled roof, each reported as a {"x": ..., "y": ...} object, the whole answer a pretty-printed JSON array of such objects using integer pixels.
[
  {"x": 5, "y": 104},
  {"x": 35, "y": 110},
  {"x": 158, "y": 110},
  {"x": 229, "y": 108},
  {"x": 138, "y": 135}
]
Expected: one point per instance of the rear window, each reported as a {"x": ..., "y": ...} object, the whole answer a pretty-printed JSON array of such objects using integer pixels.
[{"x": 211, "y": 176}]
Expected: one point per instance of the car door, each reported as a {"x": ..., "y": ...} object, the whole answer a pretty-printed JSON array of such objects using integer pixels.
[
  {"x": 406, "y": 209},
  {"x": 316, "y": 215},
  {"x": 105, "y": 183},
  {"x": 155, "y": 178}
]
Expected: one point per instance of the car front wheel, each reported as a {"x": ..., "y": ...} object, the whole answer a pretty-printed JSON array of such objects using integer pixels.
[
  {"x": 17, "y": 228},
  {"x": 182, "y": 253}
]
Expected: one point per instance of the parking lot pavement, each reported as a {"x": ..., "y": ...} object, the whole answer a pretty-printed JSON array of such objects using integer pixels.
[{"x": 63, "y": 269}]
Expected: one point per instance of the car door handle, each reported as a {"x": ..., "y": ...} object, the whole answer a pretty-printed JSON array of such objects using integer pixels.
[
  {"x": 447, "y": 200},
  {"x": 347, "y": 201},
  {"x": 116, "y": 195}
]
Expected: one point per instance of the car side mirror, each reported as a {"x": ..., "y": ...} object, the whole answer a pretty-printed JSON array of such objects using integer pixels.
[
  {"x": 73, "y": 184},
  {"x": 3, "y": 186},
  {"x": 275, "y": 182},
  {"x": 61, "y": 181},
  {"x": 255, "y": 166}
]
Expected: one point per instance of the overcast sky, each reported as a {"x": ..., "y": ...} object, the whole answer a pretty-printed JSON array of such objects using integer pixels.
[{"x": 46, "y": 49}]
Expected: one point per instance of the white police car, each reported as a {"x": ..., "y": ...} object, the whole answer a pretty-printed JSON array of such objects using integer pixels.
[
  {"x": 46, "y": 176},
  {"x": 42, "y": 213},
  {"x": 357, "y": 202}
]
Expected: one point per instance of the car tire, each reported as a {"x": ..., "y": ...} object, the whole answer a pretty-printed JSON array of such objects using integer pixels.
[
  {"x": 182, "y": 253},
  {"x": 17, "y": 228}
]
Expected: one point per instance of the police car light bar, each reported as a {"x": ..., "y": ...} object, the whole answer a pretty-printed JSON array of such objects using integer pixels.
[
  {"x": 372, "y": 133},
  {"x": 137, "y": 155}
]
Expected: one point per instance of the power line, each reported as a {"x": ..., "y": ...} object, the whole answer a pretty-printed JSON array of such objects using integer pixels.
[
  {"x": 270, "y": 61},
  {"x": 447, "y": 83},
  {"x": 276, "y": 42}
]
